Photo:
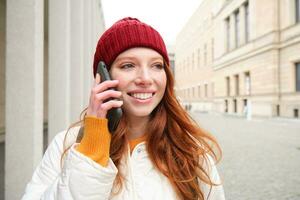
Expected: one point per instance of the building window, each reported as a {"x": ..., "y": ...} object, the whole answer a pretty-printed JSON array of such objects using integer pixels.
[
  {"x": 245, "y": 106},
  {"x": 172, "y": 65},
  {"x": 236, "y": 80},
  {"x": 234, "y": 105},
  {"x": 199, "y": 91},
  {"x": 205, "y": 90},
  {"x": 277, "y": 110},
  {"x": 296, "y": 113},
  {"x": 298, "y": 77},
  {"x": 247, "y": 83},
  {"x": 237, "y": 27},
  {"x": 228, "y": 85},
  {"x": 247, "y": 22},
  {"x": 226, "y": 106},
  {"x": 227, "y": 23}
]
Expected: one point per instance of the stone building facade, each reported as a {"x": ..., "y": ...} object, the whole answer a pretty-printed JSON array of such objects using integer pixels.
[
  {"x": 241, "y": 57},
  {"x": 46, "y": 54}
]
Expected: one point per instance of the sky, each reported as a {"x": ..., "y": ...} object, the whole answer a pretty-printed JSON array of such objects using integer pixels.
[{"x": 166, "y": 16}]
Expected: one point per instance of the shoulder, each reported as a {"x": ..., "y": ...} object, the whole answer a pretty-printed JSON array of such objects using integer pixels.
[{"x": 64, "y": 138}]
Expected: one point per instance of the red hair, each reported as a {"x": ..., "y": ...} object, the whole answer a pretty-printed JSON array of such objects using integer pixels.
[{"x": 176, "y": 145}]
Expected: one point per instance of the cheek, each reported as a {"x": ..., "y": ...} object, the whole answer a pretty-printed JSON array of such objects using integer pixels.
[
  {"x": 163, "y": 81},
  {"x": 123, "y": 84},
  {"x": 117, "y": 76}
]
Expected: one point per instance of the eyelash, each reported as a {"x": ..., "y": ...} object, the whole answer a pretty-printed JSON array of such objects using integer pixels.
[
  {"x": 159, "y": 66},
  {"x": 129, "y": 65}
]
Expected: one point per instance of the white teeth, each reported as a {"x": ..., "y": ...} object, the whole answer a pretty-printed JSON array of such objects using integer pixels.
[{"x": 142, "y": 95}]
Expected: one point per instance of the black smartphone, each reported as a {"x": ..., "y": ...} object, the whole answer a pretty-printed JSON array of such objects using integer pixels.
[{"x": 113, "y": 115}]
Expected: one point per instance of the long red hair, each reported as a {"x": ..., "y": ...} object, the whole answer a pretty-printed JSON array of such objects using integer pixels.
[{"x": 176, "y": 145}]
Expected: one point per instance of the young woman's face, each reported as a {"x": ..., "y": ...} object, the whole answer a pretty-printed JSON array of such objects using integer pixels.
[{"x": 142, "y": 80}]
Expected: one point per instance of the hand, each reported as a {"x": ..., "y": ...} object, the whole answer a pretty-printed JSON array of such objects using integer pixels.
[{"x": 99, "y": 94}]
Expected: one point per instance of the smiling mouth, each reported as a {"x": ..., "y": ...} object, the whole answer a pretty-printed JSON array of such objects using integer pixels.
[{"x": 142, "y": 96}]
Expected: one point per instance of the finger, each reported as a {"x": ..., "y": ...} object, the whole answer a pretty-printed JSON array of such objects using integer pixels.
[
  {"x": 111, "y": 104},
  {"x": 105, "y": 85},
  {"x": 108, "y": 94},
  {"x": 97, "y": 79}
]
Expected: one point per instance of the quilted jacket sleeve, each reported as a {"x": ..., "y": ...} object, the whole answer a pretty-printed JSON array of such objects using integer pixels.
[{"x": 80, "y": 177}]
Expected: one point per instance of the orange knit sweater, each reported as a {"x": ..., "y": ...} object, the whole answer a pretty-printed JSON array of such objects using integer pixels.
[{"x": 96, "y": 140}]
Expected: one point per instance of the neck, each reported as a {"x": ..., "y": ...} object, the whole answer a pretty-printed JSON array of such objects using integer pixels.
[{"x": 137, "y": 127}]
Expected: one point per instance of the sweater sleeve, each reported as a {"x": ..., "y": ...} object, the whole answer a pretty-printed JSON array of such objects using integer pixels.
[{"x": 95, "y": 143}]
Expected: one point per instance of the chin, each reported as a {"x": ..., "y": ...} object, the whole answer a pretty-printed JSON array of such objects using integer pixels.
[{"x": 140, "y": 112}]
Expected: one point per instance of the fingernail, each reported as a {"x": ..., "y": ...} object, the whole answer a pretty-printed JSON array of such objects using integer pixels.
[{"x": 97, "y": 78}]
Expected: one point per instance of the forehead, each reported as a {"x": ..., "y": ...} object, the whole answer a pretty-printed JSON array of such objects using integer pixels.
[{"x": 139, "y": 53}]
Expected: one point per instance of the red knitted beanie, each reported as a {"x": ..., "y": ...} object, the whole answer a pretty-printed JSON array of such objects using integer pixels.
[{"x": 125, "y": 34}]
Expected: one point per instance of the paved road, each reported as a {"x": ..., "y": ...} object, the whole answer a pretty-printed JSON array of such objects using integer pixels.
[{"x": 261, "y": 157}]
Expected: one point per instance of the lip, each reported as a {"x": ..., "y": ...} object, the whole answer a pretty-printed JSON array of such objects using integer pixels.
[
  {"x": 141, "y": 91},
  {"x": 141, "y": 101}
]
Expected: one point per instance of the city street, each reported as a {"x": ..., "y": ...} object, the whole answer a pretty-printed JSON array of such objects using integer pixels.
[{"x": 261, "y": 157}]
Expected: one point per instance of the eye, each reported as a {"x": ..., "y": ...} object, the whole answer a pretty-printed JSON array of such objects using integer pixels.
[
  {"x": 158, "y": 66},
  {"x": 127, "y": 66}
]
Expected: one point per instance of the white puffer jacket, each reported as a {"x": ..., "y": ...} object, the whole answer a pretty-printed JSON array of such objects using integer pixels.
[{"x": 83, "y": 179}]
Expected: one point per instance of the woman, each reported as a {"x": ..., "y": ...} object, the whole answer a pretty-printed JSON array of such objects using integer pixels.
[{"x": 157, "y": 151}]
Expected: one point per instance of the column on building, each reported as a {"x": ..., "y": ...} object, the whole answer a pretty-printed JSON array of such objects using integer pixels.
[
  {"x": 242, "y": 12},
  {"x": 242, "y": 83},
  {"x": 59, "y": 66},
  {"x": 232, "y": 32},
  {"x": 230, "y": 95},
  {"x": 24, "y": 93},
  {"x": 89, "y": 48},
  {"x": 242, "y": 91},
  {"x": 77, "y": 65}
]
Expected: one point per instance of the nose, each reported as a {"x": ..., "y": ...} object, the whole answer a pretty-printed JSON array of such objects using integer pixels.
[{"x": 144, "y": 77}]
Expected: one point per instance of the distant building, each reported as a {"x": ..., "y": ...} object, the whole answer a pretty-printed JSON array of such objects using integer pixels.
[
  {"x": 241, "y": 57},
  {"x": 171, "y": 54}
]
